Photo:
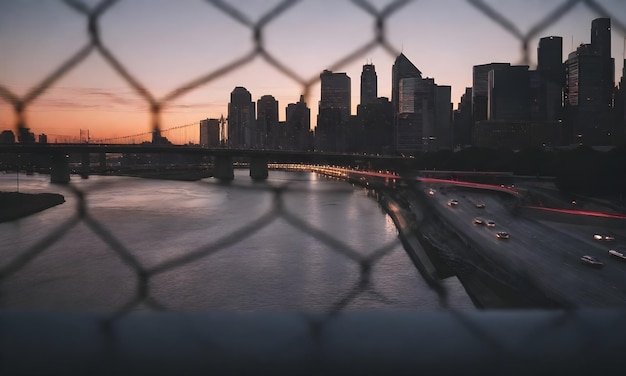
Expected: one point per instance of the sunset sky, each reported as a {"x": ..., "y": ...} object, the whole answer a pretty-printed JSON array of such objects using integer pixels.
[{"x": 166, "y": 44}]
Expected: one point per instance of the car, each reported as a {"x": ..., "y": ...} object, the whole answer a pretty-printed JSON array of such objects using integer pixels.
[
  {"x": 619, "y": 255},
  {"x": 453, "y": 202},
  {"x": 491, "y": 223},
  {"x": 431, "y": 192},
  {"x": 480, "y": 205},
  {"x": 591, "y": 261},
  {"x": 603, "y": 237},
  {"x": 502, "y": 235},
  {"x": 478, "y": 221}
]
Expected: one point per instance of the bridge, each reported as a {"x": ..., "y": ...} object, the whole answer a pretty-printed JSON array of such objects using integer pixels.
[{"x": 222, "y": 158}]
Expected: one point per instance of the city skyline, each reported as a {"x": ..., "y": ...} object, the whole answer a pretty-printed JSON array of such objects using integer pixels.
[{"x": 92, "y": 96}]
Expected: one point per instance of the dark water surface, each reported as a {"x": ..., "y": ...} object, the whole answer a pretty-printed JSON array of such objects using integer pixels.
[{"x": 278, "y": 267}]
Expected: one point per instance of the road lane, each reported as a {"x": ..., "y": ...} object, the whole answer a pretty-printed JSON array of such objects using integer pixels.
[{"x": 547, "y": 255}]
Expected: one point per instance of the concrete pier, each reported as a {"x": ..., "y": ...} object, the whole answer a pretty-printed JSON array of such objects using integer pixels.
[
  {"x": 60, "y": 172},
  {"x": 223, "y": 168},
  {"x": 103, "y": 161},
  {"x": 84, "y": 165},
  {"x": 258, "y": 168}
]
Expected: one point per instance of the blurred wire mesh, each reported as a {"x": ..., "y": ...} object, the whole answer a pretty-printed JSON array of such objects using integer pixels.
[{"x": 379, "y": 18}]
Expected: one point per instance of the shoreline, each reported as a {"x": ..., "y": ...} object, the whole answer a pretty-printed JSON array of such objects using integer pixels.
[{"x": 16, "y": 205}]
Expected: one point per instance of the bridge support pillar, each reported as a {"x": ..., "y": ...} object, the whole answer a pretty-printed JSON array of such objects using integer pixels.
[
  {"x": 60, "y": 171},
  {"x": 84, "y": 165},
  {"x": 258, "y": 168},
  {"x": 103, "y": 161},
  {"x": 223, "y": 168}
]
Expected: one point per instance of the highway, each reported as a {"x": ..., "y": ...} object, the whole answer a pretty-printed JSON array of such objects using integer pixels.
[{"x": 545, "y": 253}]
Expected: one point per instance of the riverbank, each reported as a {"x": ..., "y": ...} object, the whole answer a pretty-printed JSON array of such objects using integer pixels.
[{"x": 15, "y": 205}]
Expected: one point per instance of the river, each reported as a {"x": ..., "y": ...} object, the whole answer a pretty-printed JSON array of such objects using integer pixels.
[{"x": 275, "y": 266}]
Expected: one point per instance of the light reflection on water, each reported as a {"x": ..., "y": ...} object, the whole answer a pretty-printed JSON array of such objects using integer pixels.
[{"x": 277, "y": 268}]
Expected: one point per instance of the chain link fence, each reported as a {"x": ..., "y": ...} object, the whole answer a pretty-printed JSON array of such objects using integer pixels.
[{"x": 479, "y": 330}]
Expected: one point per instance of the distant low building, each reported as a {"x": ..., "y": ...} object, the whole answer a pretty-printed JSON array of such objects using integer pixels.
[
  {"x": 7, "y": 137},
  {"x": 210, "y": 133},
  {"x": 516, "y": 134}
]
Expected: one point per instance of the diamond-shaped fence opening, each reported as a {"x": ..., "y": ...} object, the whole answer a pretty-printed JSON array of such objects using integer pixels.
[{"x": 142, "y": 274}]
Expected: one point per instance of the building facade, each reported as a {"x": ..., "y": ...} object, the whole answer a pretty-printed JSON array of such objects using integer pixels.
[
  {"x": 210, "y": 133},
  {"x": 480, "y": 89},
  {"x": 369, "y": 84},
  {"x": 403, "y": 123},
  {"x": 334, "y": 112},
  {"x": 590, "y": 74},
  {"x": 298, "y": 126},
  {"x": 268, "y": 133},
  {"x": 241, "y": 119},
  {"x": 551, "y": 72}
]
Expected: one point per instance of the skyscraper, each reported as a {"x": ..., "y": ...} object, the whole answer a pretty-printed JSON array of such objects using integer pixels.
[
  {"x": 590, "y": 81},
  {"x": 480, "y": 89},
  {"x": 509, "y": 93},
  {"x": 298, "y": 125},
  {"x": 334, "y": 111},
  {"x": 416, "y": 115},
  {"x": 210, "y": 132},
  {"x": 241, "y": 121},
  {"x": 369, "y": 84},
  {"x": 267, "y": 122},
  {"x": 335, "y": 92},
  {"x": 551, "y": 77},
  {"x": 402, "y": 68}
]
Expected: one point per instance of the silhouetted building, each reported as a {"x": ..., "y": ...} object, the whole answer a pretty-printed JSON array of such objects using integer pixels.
[
  {"x": 619, "y": 110},
  {"x": 268, "y": 133},
  {"x": 375, "y": 127},
  {"x": 241, "y": 119},
  {"x": 334, "y": 111},
  {"x": 298, "y": 126},
  {"x": 514, "y": 134},
  {"x": 158, "y": 139},
  {"x": 508, "y": 93},
  {"x": 480, "y": 89},
  {"x": 416, "y": 116},
  {"x": 369, "y": 84},
  {"x": 444, "y": 133},
  {"x": 463, "y": 120},
  {"x": 7, "y": 137},
  {"x": 551, "y": 73},
  {"x": 43, "y": 138},
  {"x": 25, "y": 136},
  {"x": 210, "y": 133},
  {"x": 402, "y": 68},
  {"x": 590, "y": 83},
  {"x": 335, "y": 92}
]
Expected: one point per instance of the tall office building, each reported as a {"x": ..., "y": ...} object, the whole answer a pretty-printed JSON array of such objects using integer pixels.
[
  {"x": 335, "y": 92},
  {"x": 210, "y": 133},
  {"x": 509, "y": 94},
  {"x": 480, "y": 89},
  {"x": 268, "y": 134},
  {"x": 334, "y": 111},
  {"x": 241, "y": 120},
  {"x": 443, "y": 118},
  {"x": 416, "y": 115},
  {"x": 590, "y": 82},
  {"x": 463, "y": 120},
  {"x": 369, "y": 84},
  {"x": 551, "y": 73},
  {"x": 620, "y": 108},
  {"x": 298, "y": 126},
  {"x": 402, "y": 68}
]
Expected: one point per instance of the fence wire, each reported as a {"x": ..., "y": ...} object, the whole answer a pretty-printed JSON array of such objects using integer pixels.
[{"x": 380, "y": 20}]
